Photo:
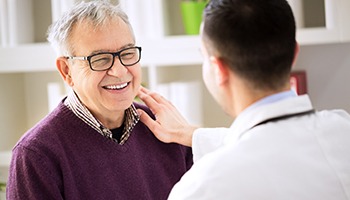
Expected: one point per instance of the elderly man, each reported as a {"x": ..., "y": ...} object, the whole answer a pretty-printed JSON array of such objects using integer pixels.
[{"x": 93, "y": 146}]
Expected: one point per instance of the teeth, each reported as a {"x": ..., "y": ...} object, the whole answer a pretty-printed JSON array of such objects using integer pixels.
[{"x": 116, "y": 87}]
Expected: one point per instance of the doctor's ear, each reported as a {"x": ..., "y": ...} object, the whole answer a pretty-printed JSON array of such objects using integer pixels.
[
  {"x": 221, "y": 70},
  {"x": 64, "y": 69}
]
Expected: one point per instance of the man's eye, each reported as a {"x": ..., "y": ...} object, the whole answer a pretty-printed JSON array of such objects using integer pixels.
[
  {"x": 101, "y": 59},
  {"x": 127, "y": 55}
]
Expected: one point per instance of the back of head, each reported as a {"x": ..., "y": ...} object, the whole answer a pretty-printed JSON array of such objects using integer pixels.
[
  {"x": 256, "y": 38},
  {"x": 96, "y": 13}
]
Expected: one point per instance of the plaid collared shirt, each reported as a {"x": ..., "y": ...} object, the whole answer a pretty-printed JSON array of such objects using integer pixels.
[{"x": 131, "y": 118}]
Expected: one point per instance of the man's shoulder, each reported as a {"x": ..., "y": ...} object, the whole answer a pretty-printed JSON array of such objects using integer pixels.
[
  {"x": 139, "y": 105},
  {"x": 336, "y": 114},
  {"x": 143, "y": 107},
  {"x": 47, "y": 127}
]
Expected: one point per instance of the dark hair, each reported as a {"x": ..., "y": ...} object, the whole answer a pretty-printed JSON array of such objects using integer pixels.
[{"x": 256, "y": 38}]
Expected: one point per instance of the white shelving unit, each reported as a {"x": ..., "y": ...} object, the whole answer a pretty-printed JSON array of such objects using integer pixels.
[
  {"x": 26, "y": 67},
  {"x": 335, "y": 29}
]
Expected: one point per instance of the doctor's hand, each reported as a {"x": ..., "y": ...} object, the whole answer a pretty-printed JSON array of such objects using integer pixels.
[{"x": 169, "y": 126}]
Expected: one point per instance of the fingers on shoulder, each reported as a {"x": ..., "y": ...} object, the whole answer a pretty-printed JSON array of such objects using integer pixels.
[
  {"x": 152, "y": 124},
  {"x": 145, "y": 118}
]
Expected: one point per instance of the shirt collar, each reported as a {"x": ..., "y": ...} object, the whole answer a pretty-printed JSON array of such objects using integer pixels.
[
  {"x": 265, "y": 108},
  {"x": 269, "y": 99},
  {"x": 131, "y": 118}
]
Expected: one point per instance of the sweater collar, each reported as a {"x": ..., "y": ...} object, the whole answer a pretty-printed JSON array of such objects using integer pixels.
[{"x": 131, "y": 118}]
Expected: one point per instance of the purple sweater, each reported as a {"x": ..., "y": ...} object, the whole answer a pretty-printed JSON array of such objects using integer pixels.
[{"x": 64, "y": 158}]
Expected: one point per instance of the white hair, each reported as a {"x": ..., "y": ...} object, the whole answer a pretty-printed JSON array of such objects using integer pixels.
[{"x": 95, "y": 12}]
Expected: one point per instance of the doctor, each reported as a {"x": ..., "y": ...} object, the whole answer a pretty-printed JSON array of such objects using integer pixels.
[{"x": 278, "y": 146}]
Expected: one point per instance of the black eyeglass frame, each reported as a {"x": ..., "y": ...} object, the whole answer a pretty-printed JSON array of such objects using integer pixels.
[{"x": 88, "y": 58}]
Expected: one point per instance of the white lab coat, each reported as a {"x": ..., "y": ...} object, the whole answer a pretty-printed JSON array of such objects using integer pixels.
[{"x": 299, "y": 158}]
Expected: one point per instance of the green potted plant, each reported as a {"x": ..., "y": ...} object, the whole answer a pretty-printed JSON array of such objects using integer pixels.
[{"x": 192, "y": 11}]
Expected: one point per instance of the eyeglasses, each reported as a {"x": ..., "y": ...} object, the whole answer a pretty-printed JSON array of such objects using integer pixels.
[{"x": 104, "y": 61}]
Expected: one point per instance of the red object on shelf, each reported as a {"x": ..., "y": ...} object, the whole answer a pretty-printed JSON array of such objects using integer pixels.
[{"x": 298, "y": 82}]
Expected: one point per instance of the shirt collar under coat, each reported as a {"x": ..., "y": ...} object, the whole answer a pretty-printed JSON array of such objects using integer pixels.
[{"x": 255, "y": 114}]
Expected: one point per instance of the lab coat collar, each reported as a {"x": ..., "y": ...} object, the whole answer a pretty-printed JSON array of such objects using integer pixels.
[{"x": 247, "y": 120}]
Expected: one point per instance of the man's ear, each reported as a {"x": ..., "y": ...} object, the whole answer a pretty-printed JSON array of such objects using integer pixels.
[
  {"x": 64, "y": 69},
  {"x": 220, "y": 69}
]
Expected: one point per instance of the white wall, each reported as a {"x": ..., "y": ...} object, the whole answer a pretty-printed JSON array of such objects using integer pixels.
[
  {"x": 24, "y": 101},
  {"x": 36, "y": 94},
  {"x": 12, "y": 109},
  {"x": 328, "y": 73}
]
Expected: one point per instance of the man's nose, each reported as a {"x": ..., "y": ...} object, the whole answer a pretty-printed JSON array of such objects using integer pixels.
[{"x": 117, "y": 69}]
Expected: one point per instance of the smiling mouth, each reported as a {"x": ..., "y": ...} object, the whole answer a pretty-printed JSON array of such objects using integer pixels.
[{"x": 116, "y": 87}]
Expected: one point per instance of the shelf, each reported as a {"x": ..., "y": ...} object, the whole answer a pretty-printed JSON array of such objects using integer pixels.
[
  {"x": 312, "y": 36},
  {"x": 27, "y": 58},
  {"x": 171, "y": 51},
  {"x": 333, "y": 29}
]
